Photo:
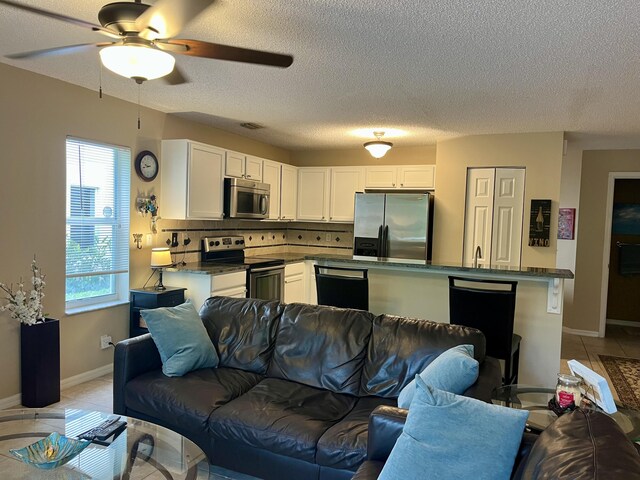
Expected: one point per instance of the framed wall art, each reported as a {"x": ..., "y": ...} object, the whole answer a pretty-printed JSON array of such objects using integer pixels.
[
  {"x": 566, "y": 223},
  {"x": 540, "y": 223}
]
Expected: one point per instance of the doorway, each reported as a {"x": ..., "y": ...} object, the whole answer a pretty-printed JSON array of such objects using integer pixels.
[{"x": 620, "y": 303}]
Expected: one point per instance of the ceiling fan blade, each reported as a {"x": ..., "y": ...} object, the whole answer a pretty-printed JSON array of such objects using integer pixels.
[
  {"x": 49, "y": 52},
  {"x": 63, "y": 18},
  {"x": 168, "y": 17},
  {"x": 198, "y": 48},
  {"x": 176, "y": 77}
]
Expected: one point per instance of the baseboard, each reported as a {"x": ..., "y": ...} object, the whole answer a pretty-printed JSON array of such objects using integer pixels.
[
  {"x": 86, "y": 376},
  {"x": 623, "y": 323},
  {"x": 66, "y": 383},
  {"x": 11, "y": 401},
  {"x": 583, "y": 333}
]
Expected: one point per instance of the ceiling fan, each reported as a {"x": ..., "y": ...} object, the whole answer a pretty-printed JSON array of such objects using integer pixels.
[{"x": 143, "y": 39}]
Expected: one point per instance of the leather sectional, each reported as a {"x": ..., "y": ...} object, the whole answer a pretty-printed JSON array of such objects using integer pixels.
[{"x": 295, "y": 387}]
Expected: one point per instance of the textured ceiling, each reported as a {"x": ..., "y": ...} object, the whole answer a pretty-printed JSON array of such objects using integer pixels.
[{"x": 430, "y": 69}]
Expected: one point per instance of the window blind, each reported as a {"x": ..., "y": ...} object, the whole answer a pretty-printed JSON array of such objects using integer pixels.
[{"x": 97, "y": 233}]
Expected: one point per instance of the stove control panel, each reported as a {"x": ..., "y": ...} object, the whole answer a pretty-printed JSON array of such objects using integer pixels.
[{"x": 216, "y": 244}]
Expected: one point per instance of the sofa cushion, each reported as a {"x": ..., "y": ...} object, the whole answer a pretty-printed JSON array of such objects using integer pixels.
[
  {"x": 581, "y": 445},
  {"x": 452, "y": 371},
  {"x": 344, "y": 445},
  {"x": 181, "y": 339},
  {"x": 402, "y": 347},
  {"x": 190, "y": 399},
  {"x": 243, "y": 330},
  {"x": 283, "y": 417},
  {"x": 321, "y": 346},
  {"x": 450, "y": 436}
]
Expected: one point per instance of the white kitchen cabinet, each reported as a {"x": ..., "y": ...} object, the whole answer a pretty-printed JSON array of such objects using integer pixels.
[
  {"x": 345, "y": 182},
  {"x": 313, "y": 194},
  {"x": 240, "y": 165},
  {"x": 294, "y": 283},
  {"x": 201, "y": 286},
  {"x": 191, "y": 180},
  {"x": 288, "y": 192},
  {"x": 384, "y": 176},
  {"x": 400, "y": 177},
  {"x": 417, "y": 176},
  {"x": 271, "y": 173}
]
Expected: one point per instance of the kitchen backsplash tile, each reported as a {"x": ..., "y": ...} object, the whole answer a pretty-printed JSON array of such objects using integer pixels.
[{"x": 261, "y": 238}]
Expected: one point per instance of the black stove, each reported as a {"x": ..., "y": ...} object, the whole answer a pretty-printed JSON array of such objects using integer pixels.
[{"x": 265, "y": 276}]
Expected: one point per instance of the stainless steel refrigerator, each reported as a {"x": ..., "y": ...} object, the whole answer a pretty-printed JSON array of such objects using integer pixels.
[{"x": 397, "y": 225}]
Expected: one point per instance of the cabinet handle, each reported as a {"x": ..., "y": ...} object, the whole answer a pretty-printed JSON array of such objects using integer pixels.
[
  {"x": 247, "y": 176},
  {"x": 393, "y": 184},
  {"x": 402, "y": 184}
]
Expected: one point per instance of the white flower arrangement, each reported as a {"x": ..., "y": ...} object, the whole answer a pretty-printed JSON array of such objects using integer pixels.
[{"x": 23, "y": 306}]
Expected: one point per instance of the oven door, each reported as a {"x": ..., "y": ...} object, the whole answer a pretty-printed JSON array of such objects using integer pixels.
[
  {"x": 266, "y": 283},
  {"x": 249, "y": 203}
]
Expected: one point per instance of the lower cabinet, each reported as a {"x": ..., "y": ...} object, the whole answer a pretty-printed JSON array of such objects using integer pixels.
[
  {"x": 294, "y": 283},
  {"x": 201, "y": 286}
]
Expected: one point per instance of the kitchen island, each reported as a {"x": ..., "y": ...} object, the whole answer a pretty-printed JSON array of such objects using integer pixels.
[{"x": 420, "y": 289}]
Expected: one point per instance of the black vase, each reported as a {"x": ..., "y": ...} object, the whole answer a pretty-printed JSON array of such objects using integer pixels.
[{"x": 40, "y": 363}]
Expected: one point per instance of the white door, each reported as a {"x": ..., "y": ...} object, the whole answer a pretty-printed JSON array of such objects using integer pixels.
[
  {"x": 204, "y": 196},
  {"x": 478, "y": 216},
  {"x": 383, "y": 176},
  {"x": 253, "y": 168},
  {"x": 288, "y": 192},
  {"x": 345, "y": 182},
  {"x": 312, "y": 194},
  {"x": 508, "y": 206},
  {"x": 234, "y": 164},
  {"x": 417, "y": 176},
  {"x": 271, "y": 175}
]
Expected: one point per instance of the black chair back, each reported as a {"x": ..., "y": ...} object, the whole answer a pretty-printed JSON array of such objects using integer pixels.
[
  {"x": 486, "y": 308},
  {"x": 342, "y": 287}
]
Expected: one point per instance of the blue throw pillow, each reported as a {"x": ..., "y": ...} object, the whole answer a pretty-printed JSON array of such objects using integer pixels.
[
  {"x": 181, "y": 338},
  {"x": 450, "y": 436},
  {"x": 452, "y": 371}
]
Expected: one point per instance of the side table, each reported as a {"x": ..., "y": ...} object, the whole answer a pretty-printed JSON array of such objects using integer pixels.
[
  {"x": 535, "y": 400},
  {"x": 148, "y": 298}
]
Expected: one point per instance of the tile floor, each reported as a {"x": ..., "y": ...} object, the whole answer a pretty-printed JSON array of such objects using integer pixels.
[{"x": 619, "y": 341}]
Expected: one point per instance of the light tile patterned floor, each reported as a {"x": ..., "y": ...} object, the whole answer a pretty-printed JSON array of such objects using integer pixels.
[{"x": 619, "y": 341}]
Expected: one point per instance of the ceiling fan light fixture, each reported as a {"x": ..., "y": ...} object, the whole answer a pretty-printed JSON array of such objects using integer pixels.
[
  {"x": 139, "y": 62},
  {"x": 378, "y": 148}
]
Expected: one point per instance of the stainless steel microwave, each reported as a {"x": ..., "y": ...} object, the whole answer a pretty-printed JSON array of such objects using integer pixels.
[{"x": 246, "y": 199}]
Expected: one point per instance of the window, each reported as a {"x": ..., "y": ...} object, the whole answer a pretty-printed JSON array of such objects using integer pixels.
[{"x": 97, "y": 233}]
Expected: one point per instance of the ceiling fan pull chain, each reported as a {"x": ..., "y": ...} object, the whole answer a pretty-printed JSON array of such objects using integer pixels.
[
  {"x": 100, "y": 80},
  {"x": 139, "y": 106}
]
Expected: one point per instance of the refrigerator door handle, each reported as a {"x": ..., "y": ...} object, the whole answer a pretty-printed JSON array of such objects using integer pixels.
[
  {"x": 385, "y": 241},
  {"x": 380, "y": 245}
]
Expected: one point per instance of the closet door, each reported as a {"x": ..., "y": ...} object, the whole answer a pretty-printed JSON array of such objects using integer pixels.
[
  {"x": 508, "y": 206},
  {"x": 478, "y": 215}
]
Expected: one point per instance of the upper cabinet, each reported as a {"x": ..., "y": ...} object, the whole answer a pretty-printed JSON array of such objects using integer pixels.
[
  {"x": 242, "y": 166},
  {"x": 271, "y": 173},
  {"x": 313, "y": 194},
  {"x": 191, "y": 180},
  {"x": 288, "y": 192},
  {"x": 401, "y": 177},
  {"x": 327, "y": 194},
  {"x": 345, "y": 182}
]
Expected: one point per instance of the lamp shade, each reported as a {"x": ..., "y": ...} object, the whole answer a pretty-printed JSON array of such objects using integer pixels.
[
  {"x": 378, "y": 148},
  {"x": 160, "y": 257},
  {"x": 140, "y": 62}
]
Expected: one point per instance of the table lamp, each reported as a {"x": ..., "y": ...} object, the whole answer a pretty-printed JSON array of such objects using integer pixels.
[{"x": 160, "y": 257}]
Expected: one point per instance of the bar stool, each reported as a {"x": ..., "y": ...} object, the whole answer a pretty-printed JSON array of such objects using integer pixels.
[
  {"x": 342, "y": 287},
  {"x": 489, "y": 306}
]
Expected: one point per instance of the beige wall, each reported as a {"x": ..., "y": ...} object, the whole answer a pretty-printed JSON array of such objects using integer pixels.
[
  {"x": 37, "y": 113},
  {"x": 360, "y": 156},
  {"x": 539, "y": 153},
  {"x": 596, "y": 166}
]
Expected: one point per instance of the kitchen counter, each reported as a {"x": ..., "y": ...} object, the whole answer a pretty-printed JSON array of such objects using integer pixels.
[{"x": 206, "y": 268}]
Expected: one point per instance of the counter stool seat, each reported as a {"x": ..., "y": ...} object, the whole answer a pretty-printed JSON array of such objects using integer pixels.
[{"x": 342, "y": 287}]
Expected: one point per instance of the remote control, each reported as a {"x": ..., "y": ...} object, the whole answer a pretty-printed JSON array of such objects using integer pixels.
[{"x": 104, "y": 430}]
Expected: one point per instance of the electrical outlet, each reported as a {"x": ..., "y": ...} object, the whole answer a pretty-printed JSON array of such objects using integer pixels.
[
  {"x": 105, "y": 340},
  {"x": 328, "y": 237},
  {"x": 174, "y": 239}
]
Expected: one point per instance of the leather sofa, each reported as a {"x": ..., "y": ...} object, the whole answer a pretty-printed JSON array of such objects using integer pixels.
[
  {"x": 581, "y": 445},
  {"x": 295, "y": 386}
]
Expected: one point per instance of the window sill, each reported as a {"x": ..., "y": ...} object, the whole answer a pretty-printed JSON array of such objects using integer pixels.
[{"x": 94, "y": 307}]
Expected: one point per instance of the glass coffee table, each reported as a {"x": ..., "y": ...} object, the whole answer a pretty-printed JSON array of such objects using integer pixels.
[
  {"x": 536, "y": 399},
  {"x": 142, "y": 450}
]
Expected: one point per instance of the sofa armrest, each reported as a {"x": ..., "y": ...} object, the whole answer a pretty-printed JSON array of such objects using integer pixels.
[
  {"x": 489, "y": 378},
  {"x": 132, "y": 357},
  {"x": 385, "y": 426}
]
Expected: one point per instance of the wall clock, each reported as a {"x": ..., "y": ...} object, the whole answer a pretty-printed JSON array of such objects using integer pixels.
[{"x": 146, "y": 165}]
